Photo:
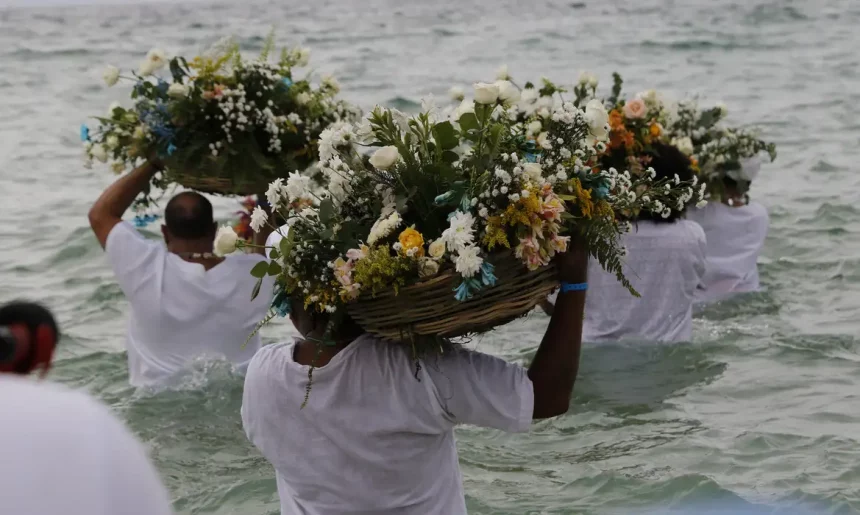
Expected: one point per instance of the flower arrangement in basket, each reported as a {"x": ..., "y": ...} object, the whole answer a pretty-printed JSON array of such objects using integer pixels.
[
  {"x": 219, "y": 123},
  {"x": 719, "y": 151},
  {"x": 622, "y": 137},
  {"x": 450, "y": 227}
]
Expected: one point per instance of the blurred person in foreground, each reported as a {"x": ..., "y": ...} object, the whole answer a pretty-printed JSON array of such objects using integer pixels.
[
  {"x": 736, "y": 229},
  {"x": 665, "y": 263},
  {"x": 186, "y": 301},
  {"x": 63, "y": 452},
  {"x": 377, "y": 433}
]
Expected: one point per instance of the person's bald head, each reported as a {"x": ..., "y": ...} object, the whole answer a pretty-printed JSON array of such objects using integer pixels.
[{"x": 188, "y": 216}]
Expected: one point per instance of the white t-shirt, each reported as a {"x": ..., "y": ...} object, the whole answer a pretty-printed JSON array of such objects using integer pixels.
[
  {"x": 373, "y": 438},
  {"x": 665, "y": 263},
  {"x": 735, "y": 240},
  {"x": 180, "y": 311},
  {"x": 64, "y": 452}
]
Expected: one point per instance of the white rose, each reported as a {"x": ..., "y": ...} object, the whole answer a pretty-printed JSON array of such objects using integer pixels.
[
  {"x": 529, "y": 95},
  {"x": 111, "y": 107},
  {"x": 543, "y": 141},
  {"x": 384, "y": 158},
  {"x": 502, "y": 73},
  {"x": 155, "y": 60},
  {"x": 427, "y": 268},
  {"x": 111, "y": 142},
  {"x": 533, "y": 171},
  {"x": 597, "y": 118},
  {"x": 486, "y": 93},
  {"x": 139, "y": 133},
  {"x": 303, "y": 57},
  {"x": 111, "y": 75},
  {"x": 684, "y": 144},
  {"x": 330, "y": 82},
  {"x": 177, "y": 90},
  {"x": 466, "y": 106},
  {"x": 508, "y": 92},
  {"x": 225, "y": 241},
  {"x": 587, "y": 79},
  {"x": 457, "y": 93},
  {"x": 534, "y": 127},
  {"x": 99, "y": 152},
  {"x": 437, "y": 249},
  {"x": 303, "y": 98}
]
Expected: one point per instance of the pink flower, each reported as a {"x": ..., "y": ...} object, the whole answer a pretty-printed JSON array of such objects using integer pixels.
[
  {"x": 357, "y": 254},
  {"x": 552, "y": 207},
  {"x": 635, "y": 109},
  {"x": 530, "y": 253}
]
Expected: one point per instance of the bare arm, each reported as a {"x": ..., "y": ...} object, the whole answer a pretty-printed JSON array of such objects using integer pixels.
[
  {"x": 547, "y": 306},
  {"x": 110, "y": 206},
  {"x": 556, "y": 363}
]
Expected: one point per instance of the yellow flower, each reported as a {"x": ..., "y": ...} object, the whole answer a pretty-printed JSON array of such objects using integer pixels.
[
  {"x": 583, "y": 198},
  {"x": 496, "y": 234},
  {"x": 656, "y": 130},
  {"x": 412, "y": 239}
]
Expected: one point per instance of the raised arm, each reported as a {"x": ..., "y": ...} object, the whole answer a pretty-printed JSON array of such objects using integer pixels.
[
  {"x": 556, "y": 363},
  {"x": 114, "y": 201}
]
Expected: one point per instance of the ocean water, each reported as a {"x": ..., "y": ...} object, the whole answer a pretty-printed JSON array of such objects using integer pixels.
[{"x": 759, "y": 413}]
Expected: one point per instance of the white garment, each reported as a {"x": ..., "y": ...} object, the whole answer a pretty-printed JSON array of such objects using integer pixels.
[
  {"x": 276, "y": 236},
  {"x": 180, "y": 311},
  {"x": 665, "y": 263},
  {"x": 374, "y": 439},
  {"x": 65, "y": 453},
  {"x": 735, "y": 240}
]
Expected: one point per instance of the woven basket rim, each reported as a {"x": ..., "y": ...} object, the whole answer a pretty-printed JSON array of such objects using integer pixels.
[{"x": 429, "y": 307}]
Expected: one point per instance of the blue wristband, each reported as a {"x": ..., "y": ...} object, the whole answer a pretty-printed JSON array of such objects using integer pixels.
[{"x": 567, "y": 287}]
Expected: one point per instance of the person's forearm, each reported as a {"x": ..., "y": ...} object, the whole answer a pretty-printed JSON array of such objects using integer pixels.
[
  {"x": 118, "y": 197},
  {"x": 556, "y": 363}
]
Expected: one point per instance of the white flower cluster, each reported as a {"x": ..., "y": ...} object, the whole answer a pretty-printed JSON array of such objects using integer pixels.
[
  {"x": 383, "y": 227},
  {"x": 337, "y": 135},
  {"x": 459, "y": 239},
  {"x": 238, "y": 112}
]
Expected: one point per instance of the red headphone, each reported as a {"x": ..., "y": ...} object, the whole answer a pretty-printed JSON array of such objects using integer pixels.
[{"x": 33, "y": 350}]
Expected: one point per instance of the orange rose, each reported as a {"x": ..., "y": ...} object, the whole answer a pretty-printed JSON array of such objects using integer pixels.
[{"x": 655, "y": 130}]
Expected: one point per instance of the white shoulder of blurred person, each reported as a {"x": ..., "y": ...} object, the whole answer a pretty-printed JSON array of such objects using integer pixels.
[
  {"x": 63, "y": 451},
  {"x": 736, "y": 229}
]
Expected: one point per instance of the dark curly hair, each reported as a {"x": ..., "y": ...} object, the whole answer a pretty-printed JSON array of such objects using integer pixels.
[{"x": 667, "y": 161}]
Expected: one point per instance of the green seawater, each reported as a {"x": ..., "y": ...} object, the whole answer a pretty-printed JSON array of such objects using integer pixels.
[{"x": 760, "y": 412}]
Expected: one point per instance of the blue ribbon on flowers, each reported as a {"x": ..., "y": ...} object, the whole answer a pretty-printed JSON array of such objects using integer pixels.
[
  {"x": 488, "y": 276},
  {"x": 601, "y": 191},
  {"x": 143, "y": 221},
  {"x": 471, "y": 285},
  {"x": 464, "y": 291},
  {"x": 171, "y": 148},
  {"x": 443, "y": 198},
  {"x": 281, "y": 301},
  {"x": 531, "y": 157},
  {"x": 287, "y": 82},
  {"x": 85, "y": 133},
  {"x": 163, "y": 86}
]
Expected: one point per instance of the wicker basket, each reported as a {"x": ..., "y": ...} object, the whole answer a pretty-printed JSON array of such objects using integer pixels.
[
  {"x": 430, "y": 309},
  {"x": 219, "y": 185}
]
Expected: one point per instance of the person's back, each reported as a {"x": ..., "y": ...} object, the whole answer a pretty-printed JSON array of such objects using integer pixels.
[
  {"x": 186, "y": 301},
  {"x": 369, "y": 430},
  {"x": 736, "y": 236},
  {"x": 63, "y": 452},
  {"x": 665, "y": 262},
  {"x": 181, "y": 311}
]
